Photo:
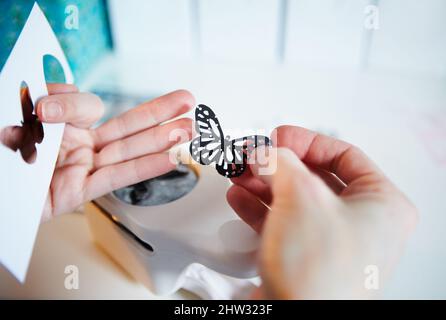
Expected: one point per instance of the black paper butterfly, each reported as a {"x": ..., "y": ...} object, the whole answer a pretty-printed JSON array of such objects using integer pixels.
[{"x": 230, "y": 156}]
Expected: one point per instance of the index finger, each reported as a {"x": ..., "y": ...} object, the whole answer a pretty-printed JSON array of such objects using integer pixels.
[{"x": 346, "y": 161}]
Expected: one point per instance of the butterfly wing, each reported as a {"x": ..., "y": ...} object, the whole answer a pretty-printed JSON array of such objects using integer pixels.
[
  {"x": 236, "y": 154},
  {"x": 208, "y": 146}
]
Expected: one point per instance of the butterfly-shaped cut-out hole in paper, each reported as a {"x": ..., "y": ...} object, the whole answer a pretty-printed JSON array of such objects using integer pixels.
[
  {"x": 28, "y": 134},
  {"x": 212, "y": 147}
]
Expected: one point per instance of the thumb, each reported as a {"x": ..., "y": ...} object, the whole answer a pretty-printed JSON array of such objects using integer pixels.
[
  {"x": 79, "y": 109},
  {"x": 291, "y": 182},
  {"x": 292, "y": 227}
]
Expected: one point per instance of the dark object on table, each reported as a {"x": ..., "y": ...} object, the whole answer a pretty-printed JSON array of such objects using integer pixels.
[{"x": 160, "y": 190}]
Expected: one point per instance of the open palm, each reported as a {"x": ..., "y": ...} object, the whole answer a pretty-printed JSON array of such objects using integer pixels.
[{"x": 125, "y": 150}]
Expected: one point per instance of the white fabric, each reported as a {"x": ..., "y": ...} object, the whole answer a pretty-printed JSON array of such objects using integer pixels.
[{"x": 211, "y": 285}]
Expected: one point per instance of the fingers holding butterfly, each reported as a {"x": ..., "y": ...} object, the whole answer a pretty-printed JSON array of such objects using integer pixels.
[
  {"x": 247, "y": 206},
  {"x": 250, "y": 198},
  {"x": 254, "y": 185}
]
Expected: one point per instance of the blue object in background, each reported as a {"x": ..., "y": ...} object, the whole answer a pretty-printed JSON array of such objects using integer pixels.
[{"x": 83, "y": 46}]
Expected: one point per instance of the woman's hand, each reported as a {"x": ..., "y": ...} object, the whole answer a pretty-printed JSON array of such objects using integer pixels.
[
  {"x": 125, "y": 150},
  {"x": 332, "y": 214}
]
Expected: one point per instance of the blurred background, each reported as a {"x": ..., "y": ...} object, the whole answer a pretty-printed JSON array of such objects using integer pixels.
[{"x": 372, "y": 72}]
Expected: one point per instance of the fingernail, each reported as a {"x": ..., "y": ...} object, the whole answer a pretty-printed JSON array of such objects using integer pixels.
[{"x": 51, "y": 110}]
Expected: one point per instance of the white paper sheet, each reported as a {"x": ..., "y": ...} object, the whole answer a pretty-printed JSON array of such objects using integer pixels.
[{"x": 23, "y": 186}]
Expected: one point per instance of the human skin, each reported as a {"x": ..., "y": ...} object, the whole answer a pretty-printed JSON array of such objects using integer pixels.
[
  {"x": 324, "y": 215},
  {"x": 94, "y": 161}
]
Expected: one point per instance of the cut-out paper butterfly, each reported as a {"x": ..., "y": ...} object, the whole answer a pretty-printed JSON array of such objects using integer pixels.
[{"x": 211, "y": 146}]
